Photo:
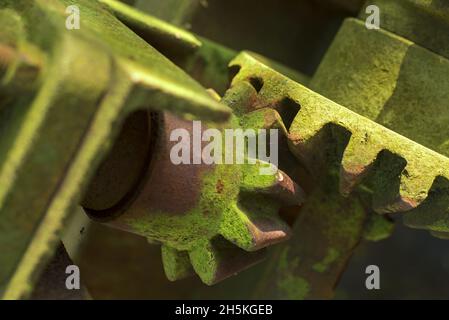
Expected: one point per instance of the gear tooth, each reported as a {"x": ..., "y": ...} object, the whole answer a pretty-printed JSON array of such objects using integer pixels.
[
  {"x": 265, "y": 118},
  {"x": 235, "y": 229},
  {"x": 254, "y": 230},
  {"x": 303, "y": 133},
  {"x": 440, "y": 235},
  {"x": 176, "y": 263},
  {"x": 278, "y": 186},
  {"x": 267, "y": 230},
  {"x": 414, "y": 186},
  {"x": 273, "y": 120},
  {"x": 307, "y": 141},
  {"x": 385, "y": 179},
  {"x": 358, "y": 158},
  {"x": 217, "y": 259},
  {"x": 378, "y": 227},
  {"x": 285, "y": 190},
  {"x": 253, "y": 180},
  {"x": 205, "y": 261},
  {"x": 433, "y": 212}
]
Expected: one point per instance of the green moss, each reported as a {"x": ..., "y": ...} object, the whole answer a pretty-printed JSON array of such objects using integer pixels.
[
  {"x": 236, "y": 230},
  {"x": 209, "y": 65},
  {"x": 203, "y": 221},
  {"x": 205, "y": 261},
  {"x": 176, "y": 263},
  {"x": 293, "y": 287},
  {"x": 289, "y": 285},
  {"x": 331, "y": 256},
  {"x": 378, "y": 228}
]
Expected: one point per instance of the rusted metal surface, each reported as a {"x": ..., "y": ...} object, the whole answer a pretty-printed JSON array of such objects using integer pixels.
[{"x": 119, "y": 174}]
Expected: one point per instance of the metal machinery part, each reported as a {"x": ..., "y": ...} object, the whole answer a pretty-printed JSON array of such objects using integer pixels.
[
  {"x": 396, "y": 77},
  {"x": 87, "y": 106},
  {"x": 350, "y": 139},
  {"x": 66, "y": 116}
]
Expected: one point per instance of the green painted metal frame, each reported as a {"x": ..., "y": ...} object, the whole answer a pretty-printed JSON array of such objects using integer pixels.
[{"x": 69, "y": 119}]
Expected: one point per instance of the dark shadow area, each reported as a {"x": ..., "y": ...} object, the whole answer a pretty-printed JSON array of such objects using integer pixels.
[
  {"x": 413, "y": 265},
  {"x": 295, "y": 33}
]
